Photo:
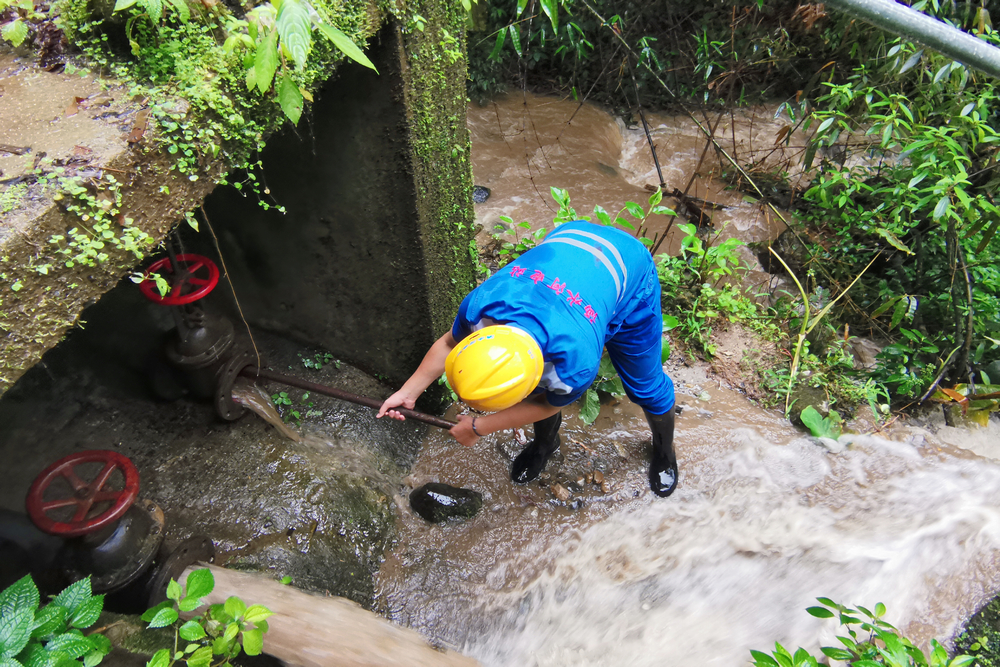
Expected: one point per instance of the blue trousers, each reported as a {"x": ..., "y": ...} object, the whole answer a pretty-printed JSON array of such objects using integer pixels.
[{"x": 635, "y": 345}]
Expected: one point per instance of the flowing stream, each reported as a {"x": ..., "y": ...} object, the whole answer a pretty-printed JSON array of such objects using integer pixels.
[{"x": 566, "y": 571}]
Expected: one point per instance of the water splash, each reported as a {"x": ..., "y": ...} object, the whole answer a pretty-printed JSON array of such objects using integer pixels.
[{"x": 254, "y": 398}]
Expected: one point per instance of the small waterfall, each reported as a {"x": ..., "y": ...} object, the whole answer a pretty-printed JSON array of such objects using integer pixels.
[{"x": 248, "y": 394}]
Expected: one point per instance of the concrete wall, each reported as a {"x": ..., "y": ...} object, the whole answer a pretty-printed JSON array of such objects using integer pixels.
[{"x": 345, "y": 268}]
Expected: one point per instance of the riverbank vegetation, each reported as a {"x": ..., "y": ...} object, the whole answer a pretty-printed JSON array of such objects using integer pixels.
[{"x": 887, "y": 181}]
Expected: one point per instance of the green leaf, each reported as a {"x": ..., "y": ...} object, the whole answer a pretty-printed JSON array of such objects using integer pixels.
[
  {"x": 825, "y": 124},
  {"x": 15, "y": 631},
  {"x": 515, "y": 39},
  {"x": 100, "y": 643},
  {"x": 163, "y": 618},
  {"x": 911, "y": 61},
  {"x": 232, "y": 630},
  {"x": 160, "y": 659},
  {"x": 941, "y": 207},
  {"x": 295, "y": 28},
  {"x": 817, "y": 426},
  {"x": 551, "y": 9},
  {"x": 22, "y": 594},
  {"x": 189, "y": 604},
  {"x": 200, "y": 583},
  {"x": 879, "y": 610},
  {"x": 635, "y": 210},
  {"x": 15, "y": 32},
  {"x": 344, "y": 43},
  {"x": 521, "y": 5},
  {"x": 220, "y": 646},
  {"x": 235, "y": 607},
  {"x": 498, "y": 45},
  {"x": 818, "y": 612},
  {"x": 153, "y": 611},
  {"x": 154, "y": 8},
  {"x": 256, "y": 613},
  {"x": 49, "y": 619},
  {"x": 183, "y": 11},
  {"x": 93, "y": 659},
  {"x": 836, "y": 653},
  {"x": 961, "y": 661},
  {"x": 123, "y": 4},
  {"x": 828, "y": 602},
  {"x": 87, "y": 613},
  {"x": 591, "y": 407},
  {"x": 36, "y": 656},
  {"x": 602, "y": 215},
  {"x": 665, "y": 352},
  {"x": 893, "y": 240},
  {"x": 670, "y": 322},
  {"x": 763, "y": 659},
  {"x": 266, "y": 62},
  {"x": 70, "y": 643},
  {"x": 290, "y": 98},
  {"x": 200, "y": 658},
  {"x": 173, "y": 590},
  {"x": 191, "y": 631},
  {"x": 253, "y": 642}
]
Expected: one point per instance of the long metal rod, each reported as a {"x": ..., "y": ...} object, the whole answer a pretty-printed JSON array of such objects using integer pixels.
[
  {"x": 906, "y": 22},
  {"x": 254, "y": 373}
]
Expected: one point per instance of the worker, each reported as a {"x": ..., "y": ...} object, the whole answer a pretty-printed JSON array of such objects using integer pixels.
[{"x": 528, "y": 341}]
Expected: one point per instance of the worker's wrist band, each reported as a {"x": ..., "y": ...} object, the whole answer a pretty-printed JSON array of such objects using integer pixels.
[{"x": 474, "y": 428}]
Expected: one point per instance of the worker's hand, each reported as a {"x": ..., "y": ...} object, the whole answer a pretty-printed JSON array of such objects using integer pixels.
[
  {"x": 462, "y": 431},
  {"x": 400, "y": 398}
]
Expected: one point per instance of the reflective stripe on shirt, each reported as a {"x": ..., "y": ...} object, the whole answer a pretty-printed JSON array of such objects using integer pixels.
[{"x": 557, "y": 237}]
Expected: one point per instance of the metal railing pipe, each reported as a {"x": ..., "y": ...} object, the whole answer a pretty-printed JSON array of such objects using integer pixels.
[{"x": 911, "y": 24}]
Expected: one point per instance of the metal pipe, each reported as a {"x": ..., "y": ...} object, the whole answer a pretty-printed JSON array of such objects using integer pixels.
[
  {"x": 254, "y": 373},
  {"x": 929, "y": 31}
]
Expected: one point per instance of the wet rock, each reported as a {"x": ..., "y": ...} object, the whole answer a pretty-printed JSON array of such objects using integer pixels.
[
  {"x": 560, "y": 492},
  {"x": 480, "y": 194},
  {"x": 802, "y": 398},
  {"x": 437, "y": 502},
  {"x": 598, "y": 477},
  {"x": 833, "y": 446}
]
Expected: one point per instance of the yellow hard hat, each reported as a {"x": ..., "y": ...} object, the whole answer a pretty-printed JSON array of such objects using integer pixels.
[{"x": 495, "y": 367}]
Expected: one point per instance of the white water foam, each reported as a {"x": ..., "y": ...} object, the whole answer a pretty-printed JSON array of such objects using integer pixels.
[{"x": 730, "y": 561}]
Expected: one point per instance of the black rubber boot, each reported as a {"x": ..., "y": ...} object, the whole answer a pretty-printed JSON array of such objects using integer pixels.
[
  {"x": 663, "y": 465},
  {"x": 530, "y": 463}
]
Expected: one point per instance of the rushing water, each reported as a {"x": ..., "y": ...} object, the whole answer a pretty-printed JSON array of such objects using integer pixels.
[
  {"x": 764, "y": 519},
  {"x": 257, "y": 400}
]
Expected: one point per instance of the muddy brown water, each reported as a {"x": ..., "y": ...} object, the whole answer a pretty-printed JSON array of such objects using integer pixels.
[{"x": 764, "y": 519}]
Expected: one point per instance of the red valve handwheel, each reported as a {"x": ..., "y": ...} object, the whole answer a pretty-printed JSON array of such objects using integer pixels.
[
  {"x": 193, "y": 277},
  {"x": 84, "y": 495}
]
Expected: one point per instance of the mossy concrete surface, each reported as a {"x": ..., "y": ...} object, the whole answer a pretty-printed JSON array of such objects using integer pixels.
[
  {"x": 383, "y": 183},
  {"x": 41, "y": 117},
  {"x": 371, "y": 259}
]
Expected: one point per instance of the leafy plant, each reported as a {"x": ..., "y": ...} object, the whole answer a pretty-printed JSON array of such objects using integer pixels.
[
  {"x": 214, "y": 637},
  {"x": 15, "y": 30},
  {"x": 276, "y": 32},
  {"x": 51, "y": 634},
  {"x": 318, "y": 360},
  {"x": 870, "y": 642},
  {"x": 820, "y": 426}
]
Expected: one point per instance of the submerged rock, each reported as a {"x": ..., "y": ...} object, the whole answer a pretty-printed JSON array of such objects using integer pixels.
[
  {"x": 437, "y": 502},
  {"x": 480, "y": 194}
]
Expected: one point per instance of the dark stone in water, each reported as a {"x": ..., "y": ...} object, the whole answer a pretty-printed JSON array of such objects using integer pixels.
[
  {"x": 436, "y": 502},
  {"x": 480, "y": 194}
]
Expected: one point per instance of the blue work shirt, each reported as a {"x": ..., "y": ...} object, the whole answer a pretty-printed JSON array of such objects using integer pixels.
[{"x": 571, "y": 293}]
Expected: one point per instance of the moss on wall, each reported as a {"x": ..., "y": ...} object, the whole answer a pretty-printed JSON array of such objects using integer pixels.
[{"x": 434, "y": 68}]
